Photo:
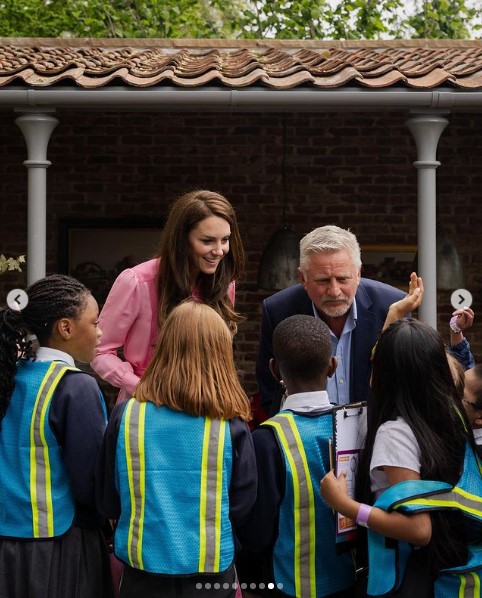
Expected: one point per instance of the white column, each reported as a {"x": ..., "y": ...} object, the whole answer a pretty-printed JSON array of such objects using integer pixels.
[
  {"x": 36, "y": 128},
  {"x": 427, "y": 129}
]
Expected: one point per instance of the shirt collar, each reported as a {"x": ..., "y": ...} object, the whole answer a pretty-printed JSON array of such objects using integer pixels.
[
  {"x": 477, "y": 433},
  {"x": 307, "y": 402},
  {"x": 49, "y": 354},
  {"x": 354, "y": 310},
  {"x": 350, "y": 324}
]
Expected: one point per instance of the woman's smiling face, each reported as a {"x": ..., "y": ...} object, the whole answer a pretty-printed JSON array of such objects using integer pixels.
[{"x": 208, "y": 243}]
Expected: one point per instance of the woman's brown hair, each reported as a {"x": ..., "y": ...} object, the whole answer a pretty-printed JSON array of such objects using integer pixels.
[
  {"x": 174, "y": 281},
  {"x": 192, "y": 369}
]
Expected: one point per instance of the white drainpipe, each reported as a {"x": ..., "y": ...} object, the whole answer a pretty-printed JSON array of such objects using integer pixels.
[
  {"x": 427, "y": 129},
  {"x": 36, "y": 128}
]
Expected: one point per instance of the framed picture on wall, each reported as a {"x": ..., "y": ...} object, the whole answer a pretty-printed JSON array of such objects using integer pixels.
[
  {"x": 95, "y": 251},
  {"x": 389, "y": 263}
]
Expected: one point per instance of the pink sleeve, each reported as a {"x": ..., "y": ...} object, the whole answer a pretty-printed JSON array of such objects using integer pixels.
[{"x": 116, "y": 319}]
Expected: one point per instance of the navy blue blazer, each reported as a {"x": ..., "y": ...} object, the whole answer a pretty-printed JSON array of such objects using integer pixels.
[{"x": 373, "y": 299}]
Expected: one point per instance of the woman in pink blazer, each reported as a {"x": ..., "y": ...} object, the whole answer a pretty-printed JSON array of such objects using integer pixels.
[{"x": 200, "y": 255}]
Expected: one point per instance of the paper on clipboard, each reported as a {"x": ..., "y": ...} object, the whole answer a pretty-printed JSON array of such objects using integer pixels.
[{"x": 350, "y": 426}]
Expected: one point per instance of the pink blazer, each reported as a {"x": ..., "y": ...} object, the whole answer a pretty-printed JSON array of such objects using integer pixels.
[{"x": 129, "y": 321}]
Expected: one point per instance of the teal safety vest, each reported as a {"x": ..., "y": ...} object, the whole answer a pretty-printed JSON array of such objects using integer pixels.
[
  {"x": 173, "y": 473},
  {"x": 35, "y": 496},
  {"x": 304, "y": 555},
  {"x": 387, "y": 565}
]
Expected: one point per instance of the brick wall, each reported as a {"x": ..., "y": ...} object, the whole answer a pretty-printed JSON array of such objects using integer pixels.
[{"x": 354, "y": 170}]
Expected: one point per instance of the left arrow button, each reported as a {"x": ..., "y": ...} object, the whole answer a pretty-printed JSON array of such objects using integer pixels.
[{"x": 17, "y": 299}]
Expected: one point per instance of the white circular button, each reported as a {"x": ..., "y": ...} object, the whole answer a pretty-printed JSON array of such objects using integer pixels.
[
  {"x": 17, "y": 299},
  {"x": 461, "y": 298}
]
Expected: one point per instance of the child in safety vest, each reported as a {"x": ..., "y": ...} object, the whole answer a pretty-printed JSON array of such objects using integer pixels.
[
  {"x": 291, "y": 526},
  {"x": 466, "y": 373},
  {"x": 52, "y": 421},
  {"x": 178, "y": 469},
  {"x": 417, "y": 433},
  {"x": 473, "y": 402},
  {"x": 469, "y": 386}
]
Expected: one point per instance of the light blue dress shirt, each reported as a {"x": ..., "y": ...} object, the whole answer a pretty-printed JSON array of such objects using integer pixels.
[{"x": 338, "y": 386}]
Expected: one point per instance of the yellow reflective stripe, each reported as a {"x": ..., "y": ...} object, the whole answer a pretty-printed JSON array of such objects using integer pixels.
[
  {"x": 473, "y": 498},
  {"x": 469, "y": 585},
  {"x": 296, "y": 503},
  {"x": 210, "y": 503},
  {"x": 134, "y": 426},
  {"x": 203, "y": 496},
  {"x": 311, "y": 501},
  {"x": 476, "y": 581},
  {"x": 142, "y": 477},
  {"x": 130, "y": 478},
  {"x": 459, "y": 413},
  {"x": 303, "y": 504},
  {"x": 475, "y": 584},
  {"x": 457, "y": 498},
  {"x": 219, "y": 493},
  {"x": 40, "y": 471}
]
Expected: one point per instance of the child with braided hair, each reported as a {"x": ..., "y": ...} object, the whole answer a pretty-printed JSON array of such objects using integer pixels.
[{"x": 52, "y": 421}]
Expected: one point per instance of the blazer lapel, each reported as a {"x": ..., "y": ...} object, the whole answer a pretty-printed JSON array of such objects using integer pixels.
[{"x": 363, "y": 339}]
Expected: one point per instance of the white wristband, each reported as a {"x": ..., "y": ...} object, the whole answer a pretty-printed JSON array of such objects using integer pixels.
[{"x": 363, "y": 514}]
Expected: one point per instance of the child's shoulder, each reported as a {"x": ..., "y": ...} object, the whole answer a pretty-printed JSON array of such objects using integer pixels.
[{"x": 77, "y": 381}]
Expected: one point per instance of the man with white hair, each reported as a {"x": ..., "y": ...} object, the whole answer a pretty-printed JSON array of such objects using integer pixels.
[{"x": 331, "y": 288}]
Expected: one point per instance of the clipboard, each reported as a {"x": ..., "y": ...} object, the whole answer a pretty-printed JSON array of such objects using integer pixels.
[{"x": 349, "y": 428}]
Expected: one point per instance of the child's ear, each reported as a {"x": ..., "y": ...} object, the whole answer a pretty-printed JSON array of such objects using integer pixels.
[
  {"x": 274, "y": 369},
  {"x": 477, "y": 423},
  {"x": 332, "y": 365},
  {"x": 64, "y": 328}
]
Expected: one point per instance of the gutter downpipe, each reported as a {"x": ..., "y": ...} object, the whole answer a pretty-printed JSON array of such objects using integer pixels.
[
  {"x": 36, "y": 128},
  {"x": 427, "y": 129}
]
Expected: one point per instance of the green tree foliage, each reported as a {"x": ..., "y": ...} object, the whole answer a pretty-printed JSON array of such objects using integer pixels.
[
  {"x": 283, "y": 19},
  {"x": 111, "y": 18},
  {"x": 358, "y": 19},
  {"x": 444, "y": 19},
  {"x": 304, "y": 19}
]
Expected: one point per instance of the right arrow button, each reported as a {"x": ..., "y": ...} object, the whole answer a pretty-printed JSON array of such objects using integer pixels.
[{"x": 461, "y": 298}]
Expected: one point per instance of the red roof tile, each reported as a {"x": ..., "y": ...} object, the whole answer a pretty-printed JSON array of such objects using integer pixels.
[{"x": 276, "y": 64}]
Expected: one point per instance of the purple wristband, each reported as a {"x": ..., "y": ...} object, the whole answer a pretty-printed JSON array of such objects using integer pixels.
[
  {"x": 453, "y": 324},
  {"x": 363, "y": 514}
]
